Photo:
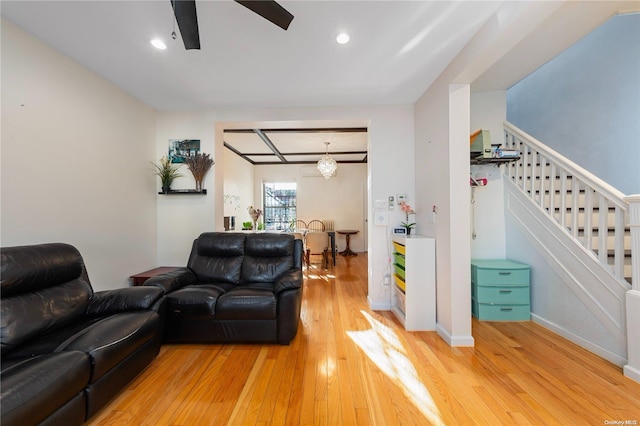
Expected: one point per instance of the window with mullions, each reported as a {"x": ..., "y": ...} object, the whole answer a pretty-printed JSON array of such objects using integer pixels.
[{"x": 279, "y": 201}]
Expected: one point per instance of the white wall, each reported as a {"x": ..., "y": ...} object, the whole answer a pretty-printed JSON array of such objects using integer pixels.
[
  {"x": 443, "y": 118},
  {"x": 442, "y": 180},
  {"x": 488, "y": 111},
  {"x": 238, "y": 187},
  {"x": 390, "y": 171},
  {"x": 76, "y": 155},
  {"x": 181, "y": 218},
  {"x": 339, "y": 198}
]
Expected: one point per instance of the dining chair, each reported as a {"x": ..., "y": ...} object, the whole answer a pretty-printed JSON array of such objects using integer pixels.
[
  {"x": 316, "y": 225},
  {"x": 298, "y": 225},
  {"x": 317, "y": 243}
]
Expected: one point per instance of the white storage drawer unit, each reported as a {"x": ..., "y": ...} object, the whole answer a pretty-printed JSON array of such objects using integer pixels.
[{"x": 413, "y": 299}]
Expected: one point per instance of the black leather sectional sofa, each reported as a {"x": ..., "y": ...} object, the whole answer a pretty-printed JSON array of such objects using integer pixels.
[
  {"x": 236, "y": 287},
  {"x": 67, "y": 350}
]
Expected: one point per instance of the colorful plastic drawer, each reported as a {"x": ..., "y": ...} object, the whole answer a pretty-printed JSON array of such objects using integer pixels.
[
  {"x": 400, "y": 282},
  {"x": 489, "y": 312},
  {"x": 399, "y": 248},
  {"x": 399, "y": 259},
  {"x": 400, "y": 299},
  {"x": 497, "y": 295},
  {"x": 499, "y": 272},
  {"x": 399, "y": 271}
]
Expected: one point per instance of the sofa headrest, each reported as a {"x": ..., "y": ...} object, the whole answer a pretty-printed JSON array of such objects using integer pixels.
[
  {"x": 220, "y": 244},
  {"x": 31, "y": 268},
  {"x": 269, "y": 245}
]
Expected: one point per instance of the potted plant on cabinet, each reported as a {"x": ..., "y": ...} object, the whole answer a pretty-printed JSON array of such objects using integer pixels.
[{"x": 406, "y": 208}]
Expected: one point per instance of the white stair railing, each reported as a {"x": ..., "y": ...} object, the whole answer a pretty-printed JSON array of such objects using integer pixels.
[{"x": 592, "y": 211}]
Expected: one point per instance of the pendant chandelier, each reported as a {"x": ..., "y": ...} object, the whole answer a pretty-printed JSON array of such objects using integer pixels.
[{"x": 327, "y": 166}]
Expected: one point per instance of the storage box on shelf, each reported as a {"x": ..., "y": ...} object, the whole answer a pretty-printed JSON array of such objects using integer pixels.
[
  {"x": 413, "y": 298},
  {"x": 500, "y": 290}
]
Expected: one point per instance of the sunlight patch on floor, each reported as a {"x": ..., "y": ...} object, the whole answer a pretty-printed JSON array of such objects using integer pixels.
[
  {"x": 317, "y": 272},
  {"x": 383, "y": 347}
]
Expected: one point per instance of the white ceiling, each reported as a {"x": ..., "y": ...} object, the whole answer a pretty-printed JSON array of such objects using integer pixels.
[{"x": 397, "y": 49}]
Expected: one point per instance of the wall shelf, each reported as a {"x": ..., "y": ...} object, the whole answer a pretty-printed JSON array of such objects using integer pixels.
[
  {"x": 184, "y": 191},
  {"x": 497, "y": 161}
]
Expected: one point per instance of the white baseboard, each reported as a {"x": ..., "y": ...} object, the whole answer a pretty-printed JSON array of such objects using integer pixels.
[
  {"x": 580, "y": 341},
  {"x": 454, "y": 340},
  {"x": 632, "y": 373},
  {"x": 378, "y": 306}
]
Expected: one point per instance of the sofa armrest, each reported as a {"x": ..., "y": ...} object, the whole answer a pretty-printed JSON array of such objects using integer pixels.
[
  {"x": 292, "y": 279},
  {"x": 123, "y": 299},
  {"x": 172, "y": 281}
]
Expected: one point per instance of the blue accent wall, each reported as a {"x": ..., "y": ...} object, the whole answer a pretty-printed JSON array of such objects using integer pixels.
[{"x": 585, "y": 103}]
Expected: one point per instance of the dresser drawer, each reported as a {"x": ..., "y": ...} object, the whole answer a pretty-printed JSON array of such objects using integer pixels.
[
  {"x": 399, "y": 248},
  {"x": 400, "y": 299},
  {"x": 399, "y": 271},
  {"x": 488, "y": 312},
  {"x": 398, "y": 258},
  {"x": 400, "y": 282},
  {"x": 517, "y": 295},
  {"x": 500, "y": 276}
]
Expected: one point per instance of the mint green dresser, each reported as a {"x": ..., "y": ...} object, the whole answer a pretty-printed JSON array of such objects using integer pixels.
[{"x": 500, "y": 290}]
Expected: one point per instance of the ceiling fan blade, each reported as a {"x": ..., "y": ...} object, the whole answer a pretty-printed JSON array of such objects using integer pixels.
[
  {"x": 187, "y": 19},
  {"x": 269, "y": 10}
]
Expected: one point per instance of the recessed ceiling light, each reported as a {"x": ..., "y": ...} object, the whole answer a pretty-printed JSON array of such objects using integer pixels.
[
  {"x": 342, "y": 38},
  {"x": 158, "y": 44}
]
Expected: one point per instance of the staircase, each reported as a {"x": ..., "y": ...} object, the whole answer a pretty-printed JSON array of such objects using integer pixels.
[
  {"x": 588, "y": 231},
  {"x": 583, "y": 205}
]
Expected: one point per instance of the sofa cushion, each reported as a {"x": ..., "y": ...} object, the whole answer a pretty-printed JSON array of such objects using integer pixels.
[
  {"x": 114, "y": 338},
  {"x": 36, "y": 387},
  {"x": 26, "y": 315},
  {"x": 247, "y": 303},
  {"x": 107, "y": 340},
  {"x": 217, "y": 257},
  {"x": 194, "y": 302},
  {"x": 267, "y": 256}
]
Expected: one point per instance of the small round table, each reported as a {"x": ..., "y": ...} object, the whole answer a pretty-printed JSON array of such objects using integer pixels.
[{"x": 347, "y": 233}]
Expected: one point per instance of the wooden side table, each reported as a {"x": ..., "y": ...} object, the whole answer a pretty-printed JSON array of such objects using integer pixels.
[
  {"x": 139, "y": 279},
  {"x": 348, "y": 233}
]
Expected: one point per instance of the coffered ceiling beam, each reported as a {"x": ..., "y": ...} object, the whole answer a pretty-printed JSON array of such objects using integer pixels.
[
  {"x": 257, "y": 154},
  {"x": 238, "y": 153},
  {"x": 306, "y": 130},
  {"x": 270, "y": 144}
]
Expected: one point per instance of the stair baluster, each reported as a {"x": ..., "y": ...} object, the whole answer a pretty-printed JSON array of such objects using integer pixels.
[{"x": 580, "y": 196}]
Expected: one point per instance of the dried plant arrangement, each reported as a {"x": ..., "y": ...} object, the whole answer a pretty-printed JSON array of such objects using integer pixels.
[{"x": 199, "y": 165}]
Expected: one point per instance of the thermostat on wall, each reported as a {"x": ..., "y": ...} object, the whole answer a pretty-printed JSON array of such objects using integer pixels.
[{"x": 399, "y": 231}]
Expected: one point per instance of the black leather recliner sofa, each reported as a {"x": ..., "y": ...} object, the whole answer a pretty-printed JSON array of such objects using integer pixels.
[
  {"x": 66, "y": 351},
  {"x": 237, "y": 287}
]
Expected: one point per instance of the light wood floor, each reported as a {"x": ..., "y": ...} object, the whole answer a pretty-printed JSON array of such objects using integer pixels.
[{"x": 349, "y": 365}]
